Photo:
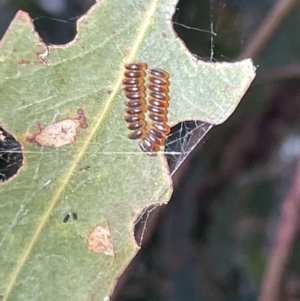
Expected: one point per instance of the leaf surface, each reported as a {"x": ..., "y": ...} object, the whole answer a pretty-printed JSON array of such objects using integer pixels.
[{"x": 100, "y": 175}]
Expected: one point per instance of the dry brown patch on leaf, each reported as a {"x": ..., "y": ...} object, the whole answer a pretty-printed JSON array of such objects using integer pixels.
[
  {"x": 59, "y": 133},
  {"x": 82, "y": 118},
  {"x": 100, "y": 240}
]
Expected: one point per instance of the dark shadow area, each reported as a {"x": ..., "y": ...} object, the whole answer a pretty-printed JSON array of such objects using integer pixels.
[
  {"x": 11, "y": 155},
  {"x": 181, "y": 141},
  {"x": 55, "y": 21},
  {"x": 209, "y": 28}
]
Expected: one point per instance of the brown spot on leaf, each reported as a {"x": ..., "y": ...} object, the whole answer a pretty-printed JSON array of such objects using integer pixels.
[
  {"x": 59, "y": 133},
  {"x": 84, "y": 168},
  {"x": 126, "y": 52},
  {"x": 164, "y": 34},
  {"x": 100, "y": 240},
  {"x": 41, "y": 58},
  {"x": 24, "y": 62},
  {"x": 82, "y": 119}
]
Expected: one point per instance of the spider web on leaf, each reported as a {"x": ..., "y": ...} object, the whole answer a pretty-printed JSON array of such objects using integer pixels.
[{"x": 200, "y": 36}]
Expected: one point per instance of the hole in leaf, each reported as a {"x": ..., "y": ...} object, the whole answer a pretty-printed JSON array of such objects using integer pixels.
[
  {"x": 11, "y": 155},
  {"x": 210, "y": 29},
  {"x": 55, "y": 21}
]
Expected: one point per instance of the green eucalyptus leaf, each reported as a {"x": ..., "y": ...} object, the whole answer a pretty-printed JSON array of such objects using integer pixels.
[{"x": 98, "y": 178}]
